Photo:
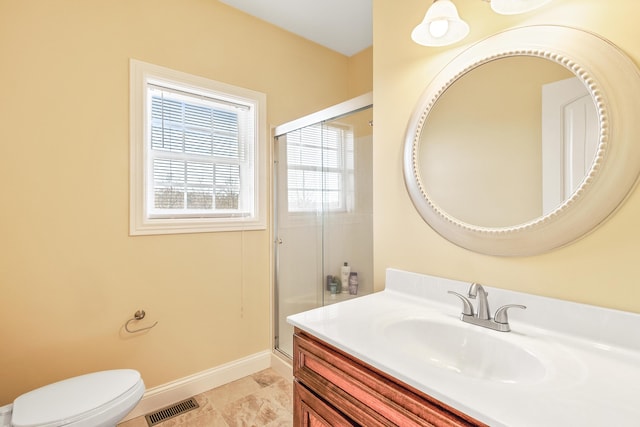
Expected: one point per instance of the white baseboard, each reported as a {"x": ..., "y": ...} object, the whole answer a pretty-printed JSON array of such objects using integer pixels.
[
  {"x": 166, "y": 394},
  {"x": 282, "y": 365}
]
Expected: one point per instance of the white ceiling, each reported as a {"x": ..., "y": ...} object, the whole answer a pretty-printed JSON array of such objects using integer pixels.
[{"x": 345, "y": 26}]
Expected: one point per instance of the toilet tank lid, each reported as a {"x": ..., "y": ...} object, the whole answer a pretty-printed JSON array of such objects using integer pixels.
[{"x": 64, "y": 400}]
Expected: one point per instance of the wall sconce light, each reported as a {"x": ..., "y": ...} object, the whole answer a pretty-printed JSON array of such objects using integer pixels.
[{"x": 442, "y": 25}]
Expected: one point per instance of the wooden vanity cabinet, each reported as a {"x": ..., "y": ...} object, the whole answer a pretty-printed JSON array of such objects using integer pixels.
[{"x": 332, "y": 388}]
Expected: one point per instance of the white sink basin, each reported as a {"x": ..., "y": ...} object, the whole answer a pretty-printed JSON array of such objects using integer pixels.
[{"x": 464, "y": 349}]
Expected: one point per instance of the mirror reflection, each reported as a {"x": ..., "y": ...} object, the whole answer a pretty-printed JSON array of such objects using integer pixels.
[{"x": 508, "y": 142}]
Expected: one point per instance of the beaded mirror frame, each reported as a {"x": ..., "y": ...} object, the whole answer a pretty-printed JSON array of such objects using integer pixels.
[{"x": 612, "y": 79}]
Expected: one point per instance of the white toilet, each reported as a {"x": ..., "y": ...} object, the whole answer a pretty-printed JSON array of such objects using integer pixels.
[{"x": 100, "y": 399}]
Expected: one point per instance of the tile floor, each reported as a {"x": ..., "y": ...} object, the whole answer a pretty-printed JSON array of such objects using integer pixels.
[{"x": 263, "y": 399}]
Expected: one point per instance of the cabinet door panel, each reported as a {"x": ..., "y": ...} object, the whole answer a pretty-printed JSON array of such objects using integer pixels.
[{"x": 311, "y": 411}]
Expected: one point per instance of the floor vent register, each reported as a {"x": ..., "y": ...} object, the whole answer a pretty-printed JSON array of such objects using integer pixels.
[{"x": 171, "y": 411}]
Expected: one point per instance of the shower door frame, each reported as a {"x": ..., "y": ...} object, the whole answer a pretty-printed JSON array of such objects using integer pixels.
[{"x": 353, "y": 105}]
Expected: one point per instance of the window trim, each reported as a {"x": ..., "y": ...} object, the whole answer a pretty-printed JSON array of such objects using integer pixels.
[{"x": 142, "y": 73}]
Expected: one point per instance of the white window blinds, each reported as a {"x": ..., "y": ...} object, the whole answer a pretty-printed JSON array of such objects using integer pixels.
[
  {"x": 200, "y": 155},
  {"x": 320, "y": 168}
]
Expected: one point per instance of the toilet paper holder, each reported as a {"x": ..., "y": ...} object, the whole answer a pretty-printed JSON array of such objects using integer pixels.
[{"x": 138, "y": 315}]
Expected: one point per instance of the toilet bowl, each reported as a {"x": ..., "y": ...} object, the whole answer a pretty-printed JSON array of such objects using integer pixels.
[{"x": 100, "y": 399}]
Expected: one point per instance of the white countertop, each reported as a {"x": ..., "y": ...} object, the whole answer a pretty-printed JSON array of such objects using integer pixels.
[{"x": 590, "y": 356}]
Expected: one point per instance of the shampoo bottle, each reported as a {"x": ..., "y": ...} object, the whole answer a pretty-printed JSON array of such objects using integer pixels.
[
  {"x": 353, "y": 283},
  {"x": 344, "y": 277}
]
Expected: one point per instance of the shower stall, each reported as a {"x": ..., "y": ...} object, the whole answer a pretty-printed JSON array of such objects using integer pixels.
[{"x": 323, "y": 202}]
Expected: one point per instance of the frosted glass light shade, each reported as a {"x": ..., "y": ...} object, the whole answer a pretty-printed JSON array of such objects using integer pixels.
[
  {"x": 440, "y": 16},
  {"x": 513, "y": 7}
]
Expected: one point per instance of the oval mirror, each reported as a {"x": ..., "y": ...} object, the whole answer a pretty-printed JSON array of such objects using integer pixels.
[{"x": 524, "y": 142}]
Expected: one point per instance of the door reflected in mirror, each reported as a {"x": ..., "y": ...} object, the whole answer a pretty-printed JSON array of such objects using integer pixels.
[{"x": 507, "y": 143}]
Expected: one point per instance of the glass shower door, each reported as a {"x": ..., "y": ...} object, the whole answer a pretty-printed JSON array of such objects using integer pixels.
[
  {"x": 323, "y": 215},
  {"x": 298, "y": 237}
]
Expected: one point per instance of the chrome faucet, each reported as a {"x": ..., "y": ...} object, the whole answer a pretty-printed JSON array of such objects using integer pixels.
[
  {"x": 477, "y": 291},
  {"x": 482, "y": 316}
]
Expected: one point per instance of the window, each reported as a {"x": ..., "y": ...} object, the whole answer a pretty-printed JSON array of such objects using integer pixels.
[
  {"x": 320, "y": 169},
  {"x": 197, "y": 154}
]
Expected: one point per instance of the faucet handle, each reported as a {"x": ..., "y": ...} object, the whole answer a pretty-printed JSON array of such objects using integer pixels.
[
  {"x": 501, "y": 313},
  {"x": 467, "y": 308}
]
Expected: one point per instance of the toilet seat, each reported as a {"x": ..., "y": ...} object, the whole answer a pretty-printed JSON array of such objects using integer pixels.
[{"x": 87, "y": 400}]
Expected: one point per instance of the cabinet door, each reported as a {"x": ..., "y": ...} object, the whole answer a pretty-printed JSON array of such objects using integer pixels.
[{"x": 310, "y": 411}]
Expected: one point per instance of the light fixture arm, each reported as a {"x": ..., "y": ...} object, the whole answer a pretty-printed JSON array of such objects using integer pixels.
[{"x": 515, "y": 7}]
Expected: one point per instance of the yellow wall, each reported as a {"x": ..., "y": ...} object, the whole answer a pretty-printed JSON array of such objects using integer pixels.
[
  {"x": 70, "y": 276},
  {"x": 601, "y": 269},
  {"x": 360, "y": 78}
]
